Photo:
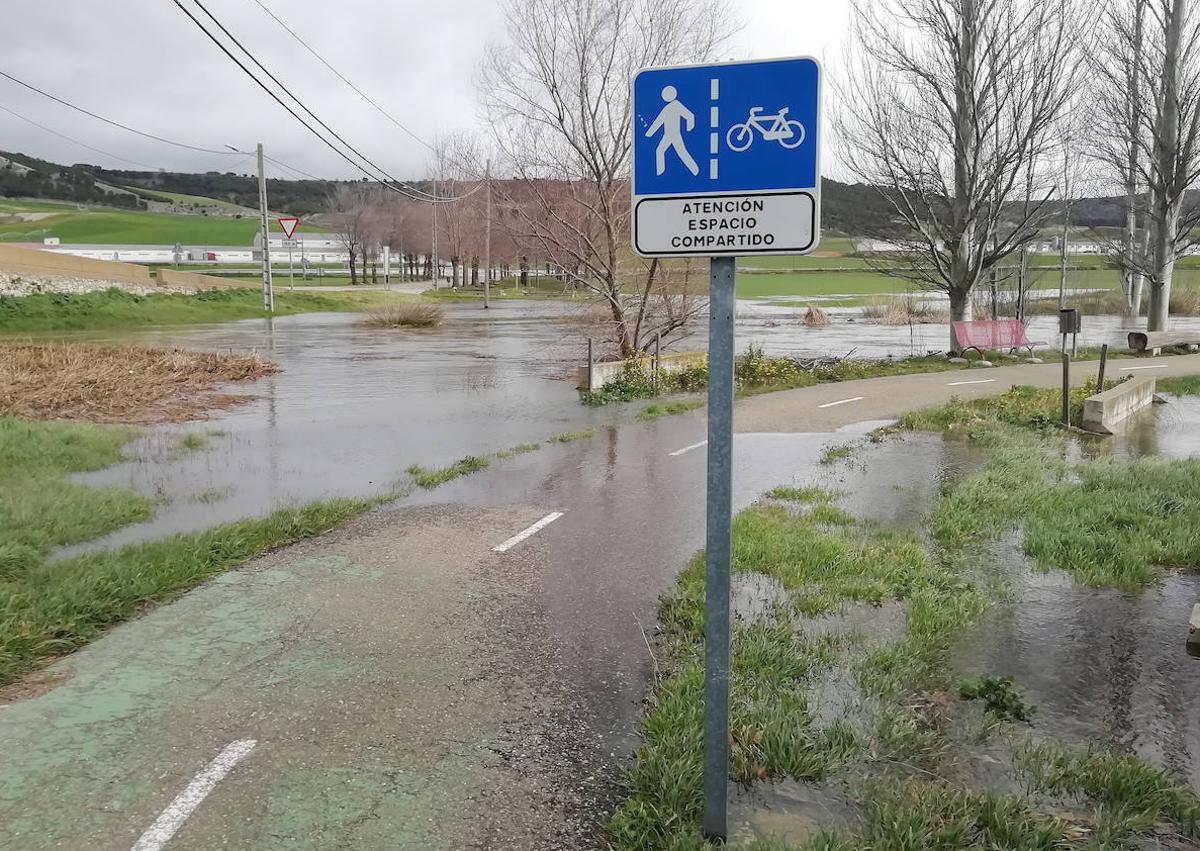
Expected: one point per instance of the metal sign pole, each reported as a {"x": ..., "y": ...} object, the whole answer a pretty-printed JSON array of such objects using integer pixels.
[
  {"x": 291, "y": 268},
  {"x": 718, "y": 544}
]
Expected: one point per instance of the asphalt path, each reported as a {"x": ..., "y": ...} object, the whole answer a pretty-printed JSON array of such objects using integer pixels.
[{"x": 463, "y": 669}]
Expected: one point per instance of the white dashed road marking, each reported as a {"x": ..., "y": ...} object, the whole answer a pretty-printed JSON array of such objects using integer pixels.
[
  {"x": 1153, "y": 366},
  {"x": 185, "y": 803},
  {"x": 528, "y": 533},
  {"x": 977, "y": 381},
  {"x": 679, "y": 452},
  {"x": 841, "y": 402}
]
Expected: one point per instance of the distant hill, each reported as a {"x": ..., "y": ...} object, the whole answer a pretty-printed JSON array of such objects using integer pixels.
[{"x": 850, "y": 209}]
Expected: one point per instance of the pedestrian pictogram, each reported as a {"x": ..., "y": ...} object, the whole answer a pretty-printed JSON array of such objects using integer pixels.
[
  {"x": 670, "y": 122},
  {"x": 725, "y": 159},
  {"x": 289, "y": 225}
]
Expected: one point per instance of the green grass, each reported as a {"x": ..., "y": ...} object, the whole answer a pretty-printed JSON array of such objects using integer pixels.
[
  {"x": 41, "y": 509},
  {"x": 134, "y": 228},
  {"x": 519, "y": 449},
  {"x": 185, "y": 444},
  {"x": 116, "y": 308},
  {"x": 1187, "y": 385},
  {"x": 429, "y": 478},
  {"x": 51, "y": 609},
  {"x": 1107, "y": 521},
  {"x": 180, "y": 198},
  {"x": 571, "y": 436},
  {"x": 841, "y": 452},
  {"x": 29, "y": 205},
  {"x": 657, "y": 411},
  {"x": 819, "y": 566}
]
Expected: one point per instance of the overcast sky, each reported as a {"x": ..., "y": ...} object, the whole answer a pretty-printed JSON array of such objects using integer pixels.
[{"x": 146, "y": 65}]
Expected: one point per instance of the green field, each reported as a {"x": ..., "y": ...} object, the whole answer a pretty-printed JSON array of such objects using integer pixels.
[
  {"x": 180, "y": 198},
  {"x": 114, "y": 308},
  {"x": 132, "y": 228}
]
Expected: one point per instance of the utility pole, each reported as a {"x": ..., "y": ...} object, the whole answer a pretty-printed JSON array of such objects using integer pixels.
[
  {"x": 434, "y": 265},
  {"x": 487, "y": 246},
  {"x": 268, "y": 290}
]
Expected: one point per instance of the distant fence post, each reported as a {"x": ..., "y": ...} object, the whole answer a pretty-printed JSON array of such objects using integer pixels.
[
  {"x": 1066, "y": 389},
  {"x": 590, "y": 366},
  {"x": 1103, "y": 368}
]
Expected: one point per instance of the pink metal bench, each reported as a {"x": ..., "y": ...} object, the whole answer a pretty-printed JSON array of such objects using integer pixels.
[{"x": 992, "y": 334}]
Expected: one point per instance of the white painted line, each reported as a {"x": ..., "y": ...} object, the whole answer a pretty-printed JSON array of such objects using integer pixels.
[
  {"x": 714, "y": 116},
  {"x": 679, "y": 452},
  {"x": 712, "y": 169},
  {"x": 1155, "y": 366},
  {"x": 528, "y": 533},
  {"x": 841, "y": 402},
  {"x": 185, "y": 803},
  {"x": 714, "y": 89},
  {"x": 714, "y": 143},
  {"x": 977, "y": 381}
]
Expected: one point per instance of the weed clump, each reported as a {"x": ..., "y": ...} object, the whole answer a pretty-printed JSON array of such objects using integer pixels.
[{"x": 404, "y": 315}]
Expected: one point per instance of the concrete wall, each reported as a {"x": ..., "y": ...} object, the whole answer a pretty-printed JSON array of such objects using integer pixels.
[
  {"x": 603, "y": 373},
  {"x": 29, "y": 261},
  {"x": 194, "y": 281},
  {"x": 1103, "y": 412}
]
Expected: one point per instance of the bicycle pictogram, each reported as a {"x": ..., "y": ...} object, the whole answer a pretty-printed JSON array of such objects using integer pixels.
[{"x": 774, "y": 128}]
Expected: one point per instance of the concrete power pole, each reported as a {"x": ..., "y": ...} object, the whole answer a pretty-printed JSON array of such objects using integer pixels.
[
  {"x": 434, "y": 256},
  {"x": 487, "y": 239},
  {"x": 268, "y": 289}
]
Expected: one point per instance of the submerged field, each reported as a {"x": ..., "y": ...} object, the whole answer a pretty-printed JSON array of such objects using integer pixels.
[{"x": 914, "y": 755}]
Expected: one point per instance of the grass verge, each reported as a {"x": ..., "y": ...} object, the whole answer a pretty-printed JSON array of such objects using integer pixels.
[
  {"x": 115, "y": 308},
  {"x": 52, "y": 609},
  {"x": 657, "y": 411},
  {"x": 119, "y": 383}
]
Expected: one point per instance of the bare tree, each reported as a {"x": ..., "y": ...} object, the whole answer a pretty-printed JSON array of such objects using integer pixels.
[
  {"x": 1118, "y": 96},
  {"x": 349, "y": 207},
  {"x": 557, "y": 95},
  {"x": 948, "y": 105}
]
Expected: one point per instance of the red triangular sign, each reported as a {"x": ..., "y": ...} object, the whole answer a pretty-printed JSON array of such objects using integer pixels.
[{"x": 289, "y": 225}]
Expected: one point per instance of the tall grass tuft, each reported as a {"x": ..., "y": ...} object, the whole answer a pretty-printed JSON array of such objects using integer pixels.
[{"x": 407, "y": 315}]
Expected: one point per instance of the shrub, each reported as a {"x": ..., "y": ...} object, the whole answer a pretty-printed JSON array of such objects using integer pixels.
[{"x": 408, "y": 315}]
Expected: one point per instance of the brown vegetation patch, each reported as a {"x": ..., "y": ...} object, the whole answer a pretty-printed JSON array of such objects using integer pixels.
[
  {"x": 120, "y": 384},
  {"x": 404, "y": 316},
  {"x": 815, "y": 317},
  {"x": 903, "y": 310}
]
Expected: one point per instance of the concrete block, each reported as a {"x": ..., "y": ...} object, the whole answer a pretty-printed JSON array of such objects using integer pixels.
[
  {"x": 1103, "y": 412},
  {"x": 959, "y": 360},
  {"x": 1034, "y": 360},
  {"x": 984, "y": 363},
  {"x": 604, "y": 372},
  {"x": 1193, "y": 636}
]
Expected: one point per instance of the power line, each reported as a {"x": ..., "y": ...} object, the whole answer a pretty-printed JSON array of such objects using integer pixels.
[
  {"x": 341, "y": 77},
  {"x": 299, "y": 102},
  {"x": 394, "y": 185},
  {"x": 77, "y": 142},
  {"x": 110, "y": 121}
]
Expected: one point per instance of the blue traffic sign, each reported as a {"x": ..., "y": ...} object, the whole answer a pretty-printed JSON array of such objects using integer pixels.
[{"x": 741, "y": 141}]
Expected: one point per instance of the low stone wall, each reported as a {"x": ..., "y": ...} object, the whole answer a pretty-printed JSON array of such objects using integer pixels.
[
  {"x": 1103, "y": 412},
  {"x": 609, "y": 371},
  {"x": 12, "y": 284}
]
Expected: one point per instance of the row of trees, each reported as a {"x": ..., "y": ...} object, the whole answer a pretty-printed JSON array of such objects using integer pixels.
[{"x": 978, "y": 119}]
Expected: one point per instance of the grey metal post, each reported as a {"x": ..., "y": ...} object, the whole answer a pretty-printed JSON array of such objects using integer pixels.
[
  {"x": 718, "y": 545},
  {"x": 487, "y": 247},
  {"x": 1066, "y": 390},
  {"x": 1103, "y": 368},
  {"x": 291, "y": 268},
  {"x": 268, "y": 289},
  {"x": 657, "y": 358},
  {"x": 591, "y": 366}
]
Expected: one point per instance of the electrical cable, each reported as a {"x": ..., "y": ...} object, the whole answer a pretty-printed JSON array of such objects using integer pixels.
[
  {"x": 77, "y": 142},
  {"x": 342, "y": 77},
  {"x": 109, "y": 120}
]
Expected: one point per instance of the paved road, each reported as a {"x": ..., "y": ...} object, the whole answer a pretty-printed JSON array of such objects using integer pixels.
[{"x": 404, "y": 684}]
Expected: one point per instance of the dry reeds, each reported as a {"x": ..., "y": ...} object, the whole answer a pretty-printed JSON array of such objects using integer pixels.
[
  {"x": 120, "y": 384},
  {"x": 408, "y": 315},
  {"x": 903, "y": 310},
  {"x": 815, "y": 317}
]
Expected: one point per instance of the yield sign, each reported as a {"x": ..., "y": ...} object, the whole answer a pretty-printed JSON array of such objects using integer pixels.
[{"x": 289, "y": 225}]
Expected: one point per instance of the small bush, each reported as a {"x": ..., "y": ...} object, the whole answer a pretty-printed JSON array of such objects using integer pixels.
[
  {"x": 1000, "y": 695},
  {"x": 408, "y": 315}
]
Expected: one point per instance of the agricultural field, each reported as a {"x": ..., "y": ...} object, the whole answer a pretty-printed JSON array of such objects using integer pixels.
[
  {"x": 180, "y": 198},
  {"x": 96, "y": 225}
]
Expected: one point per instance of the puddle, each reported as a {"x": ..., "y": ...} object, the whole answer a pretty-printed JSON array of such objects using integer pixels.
[
  {"x": 786, "y": 811},
  {"x": 754, "y": 595}
]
